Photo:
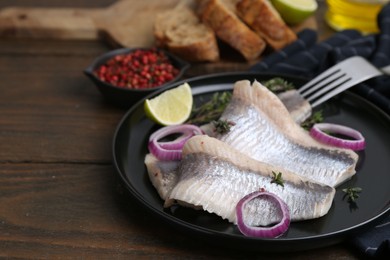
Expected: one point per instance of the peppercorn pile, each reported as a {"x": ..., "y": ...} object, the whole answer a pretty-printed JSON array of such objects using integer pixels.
[{"x": 140, "y": 69}]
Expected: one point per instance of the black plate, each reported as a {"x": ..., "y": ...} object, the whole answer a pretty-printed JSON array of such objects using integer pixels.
[{"x": 373, "y": 176}]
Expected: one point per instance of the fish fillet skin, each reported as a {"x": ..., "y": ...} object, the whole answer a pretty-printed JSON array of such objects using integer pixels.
[
  {"x": 162, "y": 174},
  {"x": 215, "y": 177},
  {"x": 264, "y": 130},
  {"x": 298, "y": 107}
]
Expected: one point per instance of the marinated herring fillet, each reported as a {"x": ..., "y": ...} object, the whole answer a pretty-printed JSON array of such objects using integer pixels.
[
  {"x": 215, "y": 177},
  {"x": 264, "y": 130},
  {"x": 298, "y": 107},
  {"x": 162, "y": 174}
]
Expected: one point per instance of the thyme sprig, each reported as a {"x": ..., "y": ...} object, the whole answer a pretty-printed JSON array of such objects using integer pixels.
[
  {"x": 352, "y": 193},
  {"x": 278, "y": 85},
  {"x": 277, "y": 179},
  {"x": 316, "y": 117},
  {"x": 210, "y": 110},
  {"x": 222, "y": 126}
]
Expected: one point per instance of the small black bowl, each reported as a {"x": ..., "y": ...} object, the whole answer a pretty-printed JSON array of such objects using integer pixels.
[{"x": 126, "y": 97}]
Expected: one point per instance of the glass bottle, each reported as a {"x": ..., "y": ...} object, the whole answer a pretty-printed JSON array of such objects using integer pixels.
[{"x": 354, "y": 14}]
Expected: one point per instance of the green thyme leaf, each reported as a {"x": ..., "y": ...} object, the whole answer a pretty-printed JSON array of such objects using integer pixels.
[
  {"x": 210, "y": 110},
  {"x": 277, "y": 179},
  {"x": 352, "y": 193},
  {"x": 278, "y": 85},
  {"x": 222, "y": 126},
  {"x": 315, "y": 118}
]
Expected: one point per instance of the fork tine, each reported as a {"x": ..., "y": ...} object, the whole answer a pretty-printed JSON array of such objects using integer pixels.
[
  {"x": 338, "y": 78},
  {"x": 323, "y": 83},
  {"x": 318, "y": 79},
  {"x": 332, "y": 94},
  {"x": 334, "y": 84},
  {"x": 341, "y": 89}
]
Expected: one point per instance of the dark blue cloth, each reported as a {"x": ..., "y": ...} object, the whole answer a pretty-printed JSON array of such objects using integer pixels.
[
  {"x": 305, "y": 57},
  {"x": 375, "y": 243},
  {"x": 306, "y": 39}
]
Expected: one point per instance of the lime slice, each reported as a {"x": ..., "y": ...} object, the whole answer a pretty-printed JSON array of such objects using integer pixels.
[
  {"x": 295, "y": 11},
  {"x": 172, "y": 107}
]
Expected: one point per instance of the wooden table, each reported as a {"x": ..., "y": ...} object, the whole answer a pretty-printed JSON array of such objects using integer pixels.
[{"x": 59, "y": 196}]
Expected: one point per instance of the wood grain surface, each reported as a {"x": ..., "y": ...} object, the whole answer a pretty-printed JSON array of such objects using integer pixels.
[
  {"x": 124, "y": 23},
  {"x": 59, "y": 195}
]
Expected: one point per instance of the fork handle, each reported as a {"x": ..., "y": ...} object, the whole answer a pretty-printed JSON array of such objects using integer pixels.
[{"x": 386, "y": 70}]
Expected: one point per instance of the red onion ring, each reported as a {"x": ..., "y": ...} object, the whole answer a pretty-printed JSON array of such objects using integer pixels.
[
  {"x": 264, "y": 232},
  {"x": 169, "y": 151},
  {"x": 317, "y": 132}
]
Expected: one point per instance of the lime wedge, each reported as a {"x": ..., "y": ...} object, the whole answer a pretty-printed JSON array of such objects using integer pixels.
[
  {"x": 172, "y": 107},
  {"x": 295, "y": 11}
]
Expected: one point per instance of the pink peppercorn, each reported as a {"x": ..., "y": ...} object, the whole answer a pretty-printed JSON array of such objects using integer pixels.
[{"x": 140, "y": 69}]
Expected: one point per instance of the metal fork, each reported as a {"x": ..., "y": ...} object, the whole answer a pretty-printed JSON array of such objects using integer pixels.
[{"x": 338, "y": 78}]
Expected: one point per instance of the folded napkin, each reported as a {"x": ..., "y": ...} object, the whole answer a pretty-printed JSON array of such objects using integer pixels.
[{"x": 307, "y": 57}]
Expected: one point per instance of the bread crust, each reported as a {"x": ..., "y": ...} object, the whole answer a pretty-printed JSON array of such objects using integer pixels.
[
  {"x": 221, "y": 17},
  {"x": 206, "y": 50},
  {"x": 261, "y": 16},
  {"x": 182, "y": 33}
]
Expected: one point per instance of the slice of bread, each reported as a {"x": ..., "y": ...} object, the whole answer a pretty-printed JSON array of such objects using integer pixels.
[
  {"x": 181, "y": 32},
  {"x": 221, "y": 16},
  {"x": 261, "y": 16}
]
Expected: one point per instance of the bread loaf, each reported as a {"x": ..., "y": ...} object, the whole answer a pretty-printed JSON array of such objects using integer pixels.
[
  {"x": 181, "y": 32},
  {"x": 261, "y": 16},
  {"x": 221, "y": 16}
]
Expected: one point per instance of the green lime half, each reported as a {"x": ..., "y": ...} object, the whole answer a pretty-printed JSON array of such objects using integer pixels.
[{"x": 295, "y": 11}]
